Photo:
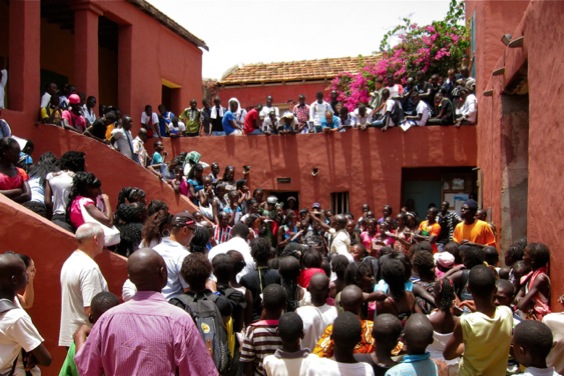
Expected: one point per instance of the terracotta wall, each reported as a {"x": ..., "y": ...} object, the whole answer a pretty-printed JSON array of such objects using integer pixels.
[
  {"x": 23, "y": 231},
  {"x": 112, "y": 168},
  {"x": 492, "y": 20},
  {"x": 156, "y": 53},
  {"x": 366, "y": 164},
  {"x": 546, "y": 132},
  {"x": 144, "y": 60},
  {"x": 539, "y": 61},
  {"x": 249, "y": 96}
]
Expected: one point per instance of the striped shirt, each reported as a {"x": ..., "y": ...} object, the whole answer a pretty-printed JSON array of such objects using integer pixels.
[
  {"x": 221, "y": 234},
  {"x": 260, "y": 340}
]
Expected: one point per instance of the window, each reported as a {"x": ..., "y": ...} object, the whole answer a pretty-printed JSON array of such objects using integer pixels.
[{"x": 340, "y": 202}]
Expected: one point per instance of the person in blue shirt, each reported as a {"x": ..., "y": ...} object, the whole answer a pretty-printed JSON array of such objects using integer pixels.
[
  {"x": 330, "y": 123},
  {"x": 165, "y": 118},
  {"x": 418, "y": 335},
  {"x": 230, "y": 126}
]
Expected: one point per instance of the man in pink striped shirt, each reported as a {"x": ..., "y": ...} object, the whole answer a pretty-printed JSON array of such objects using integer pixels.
[{"x": 146, "y": 335}]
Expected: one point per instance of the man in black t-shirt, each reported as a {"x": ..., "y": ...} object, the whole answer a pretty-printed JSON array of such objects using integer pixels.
[
  {"x": 424, "y": 89},
  {"x": 97, "y": 130}
]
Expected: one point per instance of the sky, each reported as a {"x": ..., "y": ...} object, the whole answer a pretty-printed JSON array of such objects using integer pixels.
[{"x": 265, "y": 31}]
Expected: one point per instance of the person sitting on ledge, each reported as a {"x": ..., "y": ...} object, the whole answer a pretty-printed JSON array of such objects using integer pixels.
[
  {"x": 269, "y": 123},
  {"x": 330, "y": 123},
  {"x": 72, "y": 119},
  {"x": 287, "y": 124},
  {"x": 467, "y": 114},
  {"x": 382, "y": 116},
  {"x": 252, "y": 121},
  {"x": 445, "y": 110},
  {"x": 361, "y": 116},
  {"x": 421, "y": 113},
  {"x": 52, "y": 113}
]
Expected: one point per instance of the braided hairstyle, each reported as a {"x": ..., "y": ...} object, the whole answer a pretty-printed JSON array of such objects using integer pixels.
[{"x": 443, "y": 290}]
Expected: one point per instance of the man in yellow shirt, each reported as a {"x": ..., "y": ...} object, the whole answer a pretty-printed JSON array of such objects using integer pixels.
[{"x": 472, "y": 231}]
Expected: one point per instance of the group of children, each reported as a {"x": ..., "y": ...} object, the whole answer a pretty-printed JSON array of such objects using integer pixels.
[{"x": 492, "y": 332}]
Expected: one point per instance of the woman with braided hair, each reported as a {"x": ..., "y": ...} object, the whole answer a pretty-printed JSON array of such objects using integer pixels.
[{"x": 443, "y": 321}]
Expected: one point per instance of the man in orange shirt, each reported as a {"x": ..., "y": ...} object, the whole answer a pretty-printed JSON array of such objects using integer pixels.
[
  {"x": 473, "y": 231},
  {"x": 429, "y": 230}
]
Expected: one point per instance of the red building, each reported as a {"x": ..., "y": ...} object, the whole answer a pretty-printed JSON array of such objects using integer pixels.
[
  {"x": 519, "y": 74},
  {"x": 252, "y": 83},
  {"x": 125, "y": 53}
]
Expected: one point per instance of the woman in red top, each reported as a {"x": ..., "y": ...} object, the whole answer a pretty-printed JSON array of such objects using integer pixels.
[{"x": 13, "y": 180}]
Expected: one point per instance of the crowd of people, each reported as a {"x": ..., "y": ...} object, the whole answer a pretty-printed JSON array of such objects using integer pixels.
[
  {"x": 421, "y": 101},
  {"x": 253, "y": 285}
]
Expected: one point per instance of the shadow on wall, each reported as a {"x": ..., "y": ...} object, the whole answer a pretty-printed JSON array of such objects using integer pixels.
[{"x": 49, "y": 246}]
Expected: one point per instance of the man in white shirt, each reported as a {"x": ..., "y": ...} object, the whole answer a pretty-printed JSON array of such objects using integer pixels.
[
  {"x": 238, "y": 242},
  {"x": 139, "y": 147},
  {"x": 468, "y": 113},
  {"x": 173, "y": 251},
  {"x": 384, "y": 112},
  {"x": 270, "y": 123},
  {"x": 555, "y": 321},
  {"x": 81, "y": 279},
  {"x": 88, "y": 110},
  {"x": 122, "y": 138},
  {"x": 150, "y": 121},
  {"x": 50, "y": 89},
  {"x": 421, "y": 113},
  {"x": 340, "y": 238},
  {"x": 317, "y": 317},
  {"x": 361, "y": 117},
  {"x": 318, "y": 109},
  {"x": 17, "y": 331},
  {"x": 268, "y": 108}
]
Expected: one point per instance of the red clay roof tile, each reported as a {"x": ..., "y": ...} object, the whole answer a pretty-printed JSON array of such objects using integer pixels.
[{"x": 307, "y": 70}]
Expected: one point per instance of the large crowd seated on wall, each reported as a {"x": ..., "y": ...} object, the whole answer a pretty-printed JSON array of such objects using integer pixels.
[{"x": 421, "y": 101}]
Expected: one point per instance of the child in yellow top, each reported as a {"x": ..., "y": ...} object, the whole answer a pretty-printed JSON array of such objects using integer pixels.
[{"x": 482, "y": 338}]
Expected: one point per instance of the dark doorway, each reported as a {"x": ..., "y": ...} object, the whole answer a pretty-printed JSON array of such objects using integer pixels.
[
  {"x": 108, "y": 33},
  {"x": 433, "y": 185}
]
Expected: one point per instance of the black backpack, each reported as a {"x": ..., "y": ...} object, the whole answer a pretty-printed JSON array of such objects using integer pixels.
[
  {"x": 203, "y": 309},
  {"x": 397, "y": 113}
]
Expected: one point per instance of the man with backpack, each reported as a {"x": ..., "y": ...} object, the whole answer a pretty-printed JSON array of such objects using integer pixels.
[{"x": 211, "y": 312}]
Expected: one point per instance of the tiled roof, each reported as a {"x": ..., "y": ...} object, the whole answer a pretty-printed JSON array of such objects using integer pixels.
[{"x": 305, "y": 70}]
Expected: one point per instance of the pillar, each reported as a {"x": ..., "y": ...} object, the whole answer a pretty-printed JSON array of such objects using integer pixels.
[
  {"x": 86, "y": 47},
  {"x": 24, "y": 56}
]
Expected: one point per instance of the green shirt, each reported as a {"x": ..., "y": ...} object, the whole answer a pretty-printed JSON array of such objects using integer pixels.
[{"x": 69, "y": 366}]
